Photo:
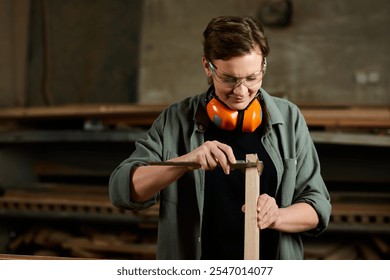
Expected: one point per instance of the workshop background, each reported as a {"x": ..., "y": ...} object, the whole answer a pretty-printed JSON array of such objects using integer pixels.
[{"x": 81, "y": 80}]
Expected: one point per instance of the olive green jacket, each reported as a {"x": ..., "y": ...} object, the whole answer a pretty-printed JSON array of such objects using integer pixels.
[{"x": 180, "y": 129}]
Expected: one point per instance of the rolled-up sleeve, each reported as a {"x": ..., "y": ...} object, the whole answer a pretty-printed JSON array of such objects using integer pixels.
[
  {"x": 119, "y": 189},
  {"x": 310, "y": 186},
  {"x": 146, "y": 150}
]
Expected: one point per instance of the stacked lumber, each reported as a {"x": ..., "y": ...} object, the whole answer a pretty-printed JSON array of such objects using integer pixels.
[
  {"x": 86, "y": 242},
  {"x": 77, "y": 222},
  {"x": 348, "y": 247}
]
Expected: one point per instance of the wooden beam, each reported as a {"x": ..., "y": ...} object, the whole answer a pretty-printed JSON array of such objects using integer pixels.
[
  {"x": 252, "y": 192},
  {"x": 83, "y": 111},
  {"x": 145, "y": 114},
  {"x": 364, "y": 117},
  {"x": 34, "y": 257},
  {"x": 350, "y": 138}
]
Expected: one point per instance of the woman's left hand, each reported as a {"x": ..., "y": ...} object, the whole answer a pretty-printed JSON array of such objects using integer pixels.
[{"x": 267, "y": 211}]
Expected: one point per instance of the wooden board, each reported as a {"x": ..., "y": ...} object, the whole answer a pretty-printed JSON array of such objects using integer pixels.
[{"x": 252, "y": 192}]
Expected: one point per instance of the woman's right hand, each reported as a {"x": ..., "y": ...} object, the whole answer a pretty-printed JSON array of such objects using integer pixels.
[{"x": 210, "y": 155}]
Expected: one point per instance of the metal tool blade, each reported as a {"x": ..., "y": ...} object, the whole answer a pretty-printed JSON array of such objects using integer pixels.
[{"x": 240, "y": 164}]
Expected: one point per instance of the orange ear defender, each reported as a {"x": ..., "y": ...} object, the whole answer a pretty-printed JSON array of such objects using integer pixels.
[{"x": 247, "y": 120}]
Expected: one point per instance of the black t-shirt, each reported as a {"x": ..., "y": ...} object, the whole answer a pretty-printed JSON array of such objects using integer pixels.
[{"x": 223, "y": 219}]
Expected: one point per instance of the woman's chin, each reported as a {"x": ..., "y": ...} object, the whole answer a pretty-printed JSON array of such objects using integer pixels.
[{"x": 237, "y": 106}]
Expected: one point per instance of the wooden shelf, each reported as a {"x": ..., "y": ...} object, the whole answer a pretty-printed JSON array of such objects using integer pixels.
[
  {"x": 364, "y": 117},
  {"x": 346, "y": 138},
  {"x": 48, "y": 136},
  {"x": 143, "y": 114}
]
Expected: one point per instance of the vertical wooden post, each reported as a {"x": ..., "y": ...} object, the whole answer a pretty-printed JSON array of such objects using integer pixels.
[{"x": 252, "y": 192}]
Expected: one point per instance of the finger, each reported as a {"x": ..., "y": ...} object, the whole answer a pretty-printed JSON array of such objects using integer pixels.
[
  {"x": 202, "y": 160},
  {"x": 265, "y": 220},
  {"x": 212, "y": 162},
  {"x": 262, "y": 204},
  {"x": 227, "y": 153},
  {"x": 267, "y": 211},
  {"x": 263, "y": 223},
  {"x": 268, "y": 220},
  {"x": 223, "y": 155}
]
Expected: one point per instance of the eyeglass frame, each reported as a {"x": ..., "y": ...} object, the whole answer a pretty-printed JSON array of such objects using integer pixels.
[{"x": 239, "y": 80}]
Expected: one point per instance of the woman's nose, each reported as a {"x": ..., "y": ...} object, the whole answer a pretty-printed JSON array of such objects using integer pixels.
[{"x": 240, "y": 89}]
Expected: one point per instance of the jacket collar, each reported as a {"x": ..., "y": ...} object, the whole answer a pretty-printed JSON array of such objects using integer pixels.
[
  {"x": 275, "y": 116},
  {"x": 200, "y": 116}
]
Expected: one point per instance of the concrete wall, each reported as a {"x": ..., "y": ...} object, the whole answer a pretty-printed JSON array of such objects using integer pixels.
[
  {"x": 333, "y": 52},
  {"x": 171, "y": 46}
]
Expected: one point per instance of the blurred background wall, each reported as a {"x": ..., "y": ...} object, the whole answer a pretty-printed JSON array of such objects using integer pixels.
[
  {"x": 63, "y": 52},
  {"x": 66, "y": 52}
]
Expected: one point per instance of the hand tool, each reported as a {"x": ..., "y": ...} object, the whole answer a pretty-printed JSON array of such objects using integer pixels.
[{"x": 240, "y": 164}]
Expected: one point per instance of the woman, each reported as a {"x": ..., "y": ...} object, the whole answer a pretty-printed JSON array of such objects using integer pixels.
[{"x": 201, "y": 209}]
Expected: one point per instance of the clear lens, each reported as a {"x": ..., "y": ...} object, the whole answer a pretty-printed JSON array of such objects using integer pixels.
[
  {"x": 247, "y": 81},
  {"x": 231, "y": 81}
]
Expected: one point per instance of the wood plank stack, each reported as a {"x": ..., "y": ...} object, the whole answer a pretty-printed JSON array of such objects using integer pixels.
[{"x": 77, "y": 222}]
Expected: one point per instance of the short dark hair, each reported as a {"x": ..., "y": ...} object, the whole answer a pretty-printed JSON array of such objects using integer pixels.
[{"x": 230, "y": 36}]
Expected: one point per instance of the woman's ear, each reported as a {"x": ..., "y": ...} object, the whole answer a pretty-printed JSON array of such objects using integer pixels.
[{"x": 206, "y": 66}]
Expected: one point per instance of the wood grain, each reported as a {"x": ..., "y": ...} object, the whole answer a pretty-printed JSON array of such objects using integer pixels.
[{"x": 252, "y": 192}]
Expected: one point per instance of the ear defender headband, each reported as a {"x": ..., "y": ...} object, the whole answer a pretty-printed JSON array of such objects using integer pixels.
[{"x": 247, "y": 120}]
